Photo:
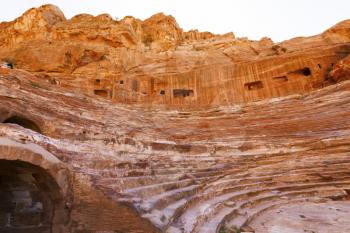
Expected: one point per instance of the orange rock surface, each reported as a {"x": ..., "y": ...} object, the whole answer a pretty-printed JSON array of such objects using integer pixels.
[
  {"x": 139, "y": 127},
  {"x": 156, "y": 62}
]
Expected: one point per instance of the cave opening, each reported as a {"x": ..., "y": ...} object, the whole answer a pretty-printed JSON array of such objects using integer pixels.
[
  {"x": 102, "y": 93},
  {"x": 306, "y": 71},
  {"x": 254, "y": 85},
  {"x": 182, "y": 92},
  {"x": 25, "y": 123},
  {"x": 28, "y": 195}
]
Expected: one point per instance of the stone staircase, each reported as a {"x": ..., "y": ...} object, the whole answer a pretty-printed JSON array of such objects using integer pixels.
[{"x": 201, "y": 198}]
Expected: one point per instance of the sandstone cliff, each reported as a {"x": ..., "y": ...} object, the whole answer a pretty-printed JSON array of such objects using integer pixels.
[
  {"x": 131, "y": 169},
  {"x": 155, "y": 62},
  {"x": 256, "y": 140}
]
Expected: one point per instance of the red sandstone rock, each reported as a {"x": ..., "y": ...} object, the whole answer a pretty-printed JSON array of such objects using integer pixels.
[
  {"x": 341, "y": 71},
  {"x": 148, "y": 62},
  {"x": 75, "y": 162}
]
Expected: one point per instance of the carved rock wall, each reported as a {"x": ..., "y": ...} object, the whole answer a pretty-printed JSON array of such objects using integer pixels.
[
  {"x": 154, "y": 61},
  {"x": 274, "y": 138},
  {"x": 151, "y": 170}
]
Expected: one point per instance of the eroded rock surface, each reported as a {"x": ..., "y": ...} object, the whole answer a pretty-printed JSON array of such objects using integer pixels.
[
  {"x": 174, "y": 164},
  {"x": 155, "y": 62},
  {"x": 306, "y": 217}
]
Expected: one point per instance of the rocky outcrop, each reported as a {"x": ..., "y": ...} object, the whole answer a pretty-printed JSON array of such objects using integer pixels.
[
  {"x": 154, "y": 62},
  {"x": 214, "y": 170},
  {"x": 33, "y": 24},
  {"x": 254, "y": 136},
  {"x": 161, "y": 32},
  {"x": 341, "y": 71}
]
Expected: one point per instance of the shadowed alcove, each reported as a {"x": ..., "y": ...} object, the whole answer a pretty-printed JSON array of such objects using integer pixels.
[
  {"x": 28, "y": 195},
  {"x": 26, "y": 123}
]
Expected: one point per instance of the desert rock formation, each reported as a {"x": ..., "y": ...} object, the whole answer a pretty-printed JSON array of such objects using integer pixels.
[
  {"x": 155, "y": 62},
  {"x": 137, "y": 126}
]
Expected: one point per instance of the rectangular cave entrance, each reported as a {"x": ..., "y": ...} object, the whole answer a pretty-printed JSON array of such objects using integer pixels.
[
  {"x": 253, "y": 85},
  {"x": 102, "y": 93},
  {"x": 182, "y": 92},
  {"x": 306, "y": 72}
]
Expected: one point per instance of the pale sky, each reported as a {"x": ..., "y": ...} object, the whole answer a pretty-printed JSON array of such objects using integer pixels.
[{"x": 277, "y": 19}]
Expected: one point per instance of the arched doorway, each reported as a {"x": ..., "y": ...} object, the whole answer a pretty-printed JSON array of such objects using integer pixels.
[
  {"x": 27, "y": 198},
  {"x": 25, "y": 123},
  {"x": 35, "y": 189}
]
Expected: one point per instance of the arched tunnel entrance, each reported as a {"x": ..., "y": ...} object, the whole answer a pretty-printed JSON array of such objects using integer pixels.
[
  {"x": 28, "y": 197},
  {"x": 26, "y": 123}
]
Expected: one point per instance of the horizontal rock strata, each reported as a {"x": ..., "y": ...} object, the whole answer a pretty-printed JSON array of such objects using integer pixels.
[
  {"x": 193, "y": 171},
  {"x": 154, "y": 62},
  {"x": 137, "y": 126}
]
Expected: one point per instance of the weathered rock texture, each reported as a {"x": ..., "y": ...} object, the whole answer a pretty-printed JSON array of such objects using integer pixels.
[
  {"x": 156, "y": 62},
  {"x": 74, "y": 162}
]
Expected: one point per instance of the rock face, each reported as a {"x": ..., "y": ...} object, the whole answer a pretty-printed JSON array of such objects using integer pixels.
[
  {"x": 341, "y": 71},
  {"x": 194, "y": 153},
  {"x": 155, "y": 62}
]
